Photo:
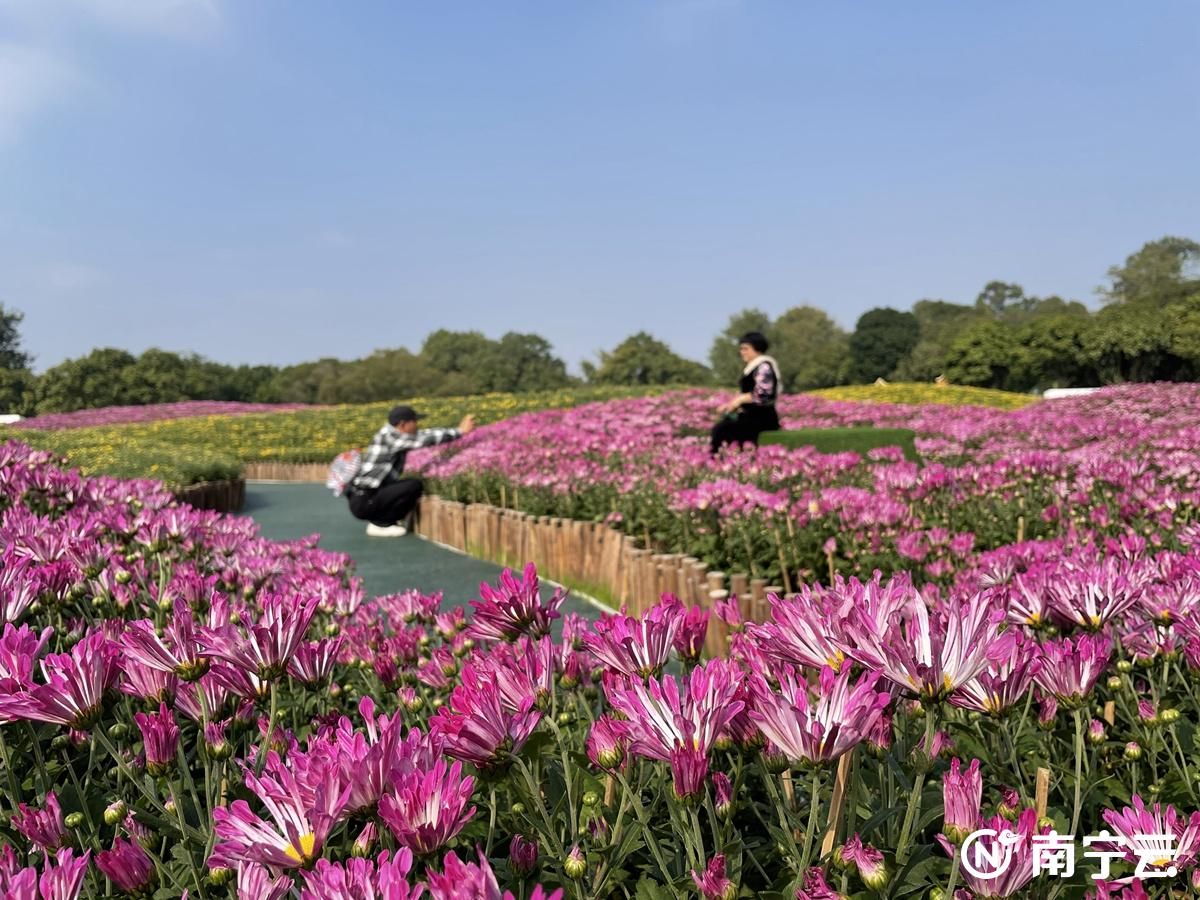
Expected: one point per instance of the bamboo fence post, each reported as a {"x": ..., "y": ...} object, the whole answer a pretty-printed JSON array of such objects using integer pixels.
[
  {"x": 1110, "y": 713},
  {"x": 739, "y": 587},
  {"x": 1041, "y": 792},
  {"x": 837, "y": 804},
  {"x": 758, "y": 597},
  {"x": 764, "y": 610}
]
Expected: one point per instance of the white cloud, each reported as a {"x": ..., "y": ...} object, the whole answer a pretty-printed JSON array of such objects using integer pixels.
[
  {"x": 38, "y": 64},
  {"x": 30, "y": 80}
]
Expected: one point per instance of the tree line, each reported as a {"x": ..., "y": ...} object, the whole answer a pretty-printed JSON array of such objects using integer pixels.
[{"x": 1147, "y": 329}]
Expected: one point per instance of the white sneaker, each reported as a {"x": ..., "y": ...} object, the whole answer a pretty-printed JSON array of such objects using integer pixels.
[{"x": 386, "y": 531}]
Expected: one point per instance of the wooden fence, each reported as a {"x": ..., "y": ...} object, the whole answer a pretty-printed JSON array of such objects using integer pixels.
[
  {"x": 222, "y": 496},
  {"x": 594, "y": 558},
  {"x": 280, "y": 471}
]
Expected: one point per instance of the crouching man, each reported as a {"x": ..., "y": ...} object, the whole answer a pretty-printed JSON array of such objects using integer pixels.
[{"x": 377, "y": 493}]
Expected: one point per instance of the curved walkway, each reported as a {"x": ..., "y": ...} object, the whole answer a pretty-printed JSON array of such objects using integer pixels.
[{"x": 386, "y": 565}]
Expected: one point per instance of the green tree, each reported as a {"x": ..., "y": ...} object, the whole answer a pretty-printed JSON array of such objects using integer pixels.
[
  {"x": 723, "y": 356},
  {"x": 85, "y": 383},
  {"x": 882, "y": 337},
  {"x": 643, "y": 359},
  {"x": 16, "y": 392},
  {"x": 939, "y": 323},
  {"x": 522, "y": 362},
  {"x": 1161, "y": 273},
  {"x": 11, "y": 355},
  {"x": 1131, "y": 342},
  {"x": 457, "y": 353},
  {"x": 983, "y": 356},
  {"x": 1184, "y": 335},
  {"x": 811, "y": 349},
  {"x": 1051, "y": 353},
  {"x": 1003, "y": 300}
]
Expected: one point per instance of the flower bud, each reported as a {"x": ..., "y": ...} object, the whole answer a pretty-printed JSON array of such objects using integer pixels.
[
  {"x": 166, "y": 603},
  {"x": 332, "y": 629},
  {"x": 123, "y": 576},
  {"x": 365, "y": 842},
  {"x": 522, "y": 856},
  {"x": 73, "y": 820},
  {"x": 1147, "y": 713},
  {"x": 1133, "y": 751},
  {"x": 1124, "y": 665},
  {"x": 591, "y": 798},
  {"x": 575, "y": 865},
  {"x": 1114, "y": 683},
  {"x": 119, "y": 731},
  {"x": 219, "y": 876},
  {"x": 517, "y": 809},
  {"x": 1010, "y": 804},
  {"x": 1044, "y": 823},
  {"x": 114, "y": 813},
  {"x": 1169, "y": 716},
  {"x": 1096, "y": 733}
]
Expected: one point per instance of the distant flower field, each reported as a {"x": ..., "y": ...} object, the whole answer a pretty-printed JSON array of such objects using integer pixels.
[
  {"x": 922, "y": 394},
  {"x": 154, "y": 412},
  {"x": 183, "y": 450}
]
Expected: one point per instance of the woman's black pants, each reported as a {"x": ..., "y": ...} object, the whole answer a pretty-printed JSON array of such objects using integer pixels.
[
  {"x": 386, "y": 505},
  {"x": 742, "y": 429}
]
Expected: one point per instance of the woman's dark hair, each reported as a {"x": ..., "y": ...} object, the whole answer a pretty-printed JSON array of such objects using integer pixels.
[{"x": 755, "y": 339}]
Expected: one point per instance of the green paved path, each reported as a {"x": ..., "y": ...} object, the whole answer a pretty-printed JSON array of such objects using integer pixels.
[{"x": 387, "y": 565}]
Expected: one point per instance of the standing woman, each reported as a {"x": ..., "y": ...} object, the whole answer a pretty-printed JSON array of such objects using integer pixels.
[{"x": 752, "y": 411}]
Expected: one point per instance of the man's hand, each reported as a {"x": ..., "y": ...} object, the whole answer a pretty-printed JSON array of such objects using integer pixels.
[{"x": 467, "y": 425}]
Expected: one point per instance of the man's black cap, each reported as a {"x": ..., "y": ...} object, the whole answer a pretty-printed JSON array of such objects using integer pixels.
[{"x": 403, "y": 414}]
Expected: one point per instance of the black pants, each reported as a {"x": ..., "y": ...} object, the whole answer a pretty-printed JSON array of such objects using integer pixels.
[
  {"x": 744, "y": 428},
  {"x": 387, "y": 505}
]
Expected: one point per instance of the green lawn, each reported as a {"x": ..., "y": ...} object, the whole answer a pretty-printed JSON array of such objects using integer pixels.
[{"x": 860, "y": 439}]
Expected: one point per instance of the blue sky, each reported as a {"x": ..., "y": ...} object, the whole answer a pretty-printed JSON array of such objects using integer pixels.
[{"x": 273, "y": 181}]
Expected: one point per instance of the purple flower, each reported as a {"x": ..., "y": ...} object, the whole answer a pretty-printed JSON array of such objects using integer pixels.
[
  {"x": 425, "y": 810},
  {"x": 268, "y": 645},
  {"x": 522, "y": 856},
  {"x": 1070, "y": 669},
  {"x": 680, "y": 727},
  {"x": 713, "y": 884},
  {"x": 254, "y": 882},
  {"x": 177, "y": 652},
  {"x": 314, "y": 661},
  {"x": 302, "y": 816},
  {"x": 126, "y": 865},
  {"x": 962, "y": 794},
  {"x": 817, "y": 725},
  {"x": 607, "y": 742},
  {"x": 43, "y": 828},
  {"x": 514, "y": 608},
  {"x": 385, "y": 878},
  {"x": 864, "y": 859},
  {"x": 160, "y": 738},
  {"x": 638, "y": 648},
  {"x": 477, "y": 727}
]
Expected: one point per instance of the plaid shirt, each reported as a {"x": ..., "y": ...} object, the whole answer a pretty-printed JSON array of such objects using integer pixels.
[{"x": 383, "y": 460}]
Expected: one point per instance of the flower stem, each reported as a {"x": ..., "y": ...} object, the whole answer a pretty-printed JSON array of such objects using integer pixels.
[
  {"x": 1078, "y": 770},
  {"x": 812, "y": 820},
  {"x": 914, "y": 800}
]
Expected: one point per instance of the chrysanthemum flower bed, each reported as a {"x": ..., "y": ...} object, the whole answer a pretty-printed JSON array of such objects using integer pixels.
[
  {"x": 1125, "y": 459},
  {"x": 186, "y": 707}
]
